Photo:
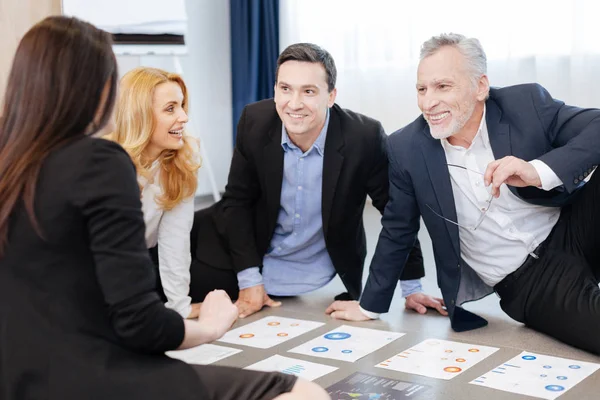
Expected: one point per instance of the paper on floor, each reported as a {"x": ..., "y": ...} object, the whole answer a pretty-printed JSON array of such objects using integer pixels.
[
  {"x": 347, "y": 343},
  {"x": 303, "y": 369},
  {"x": 269, "y": 332},
  {"x": 204, "y": 354},
  {"x": 438, "y": 358},
  {"x": 537, "y": 375}
]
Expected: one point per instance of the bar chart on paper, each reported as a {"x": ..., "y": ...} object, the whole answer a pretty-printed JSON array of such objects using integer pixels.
[
  {"x": 294, "y": 370},
  {"x": 291, "y": 366}
]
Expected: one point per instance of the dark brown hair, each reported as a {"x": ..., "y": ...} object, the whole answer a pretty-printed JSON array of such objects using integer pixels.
[
  {"x": 53, "y": 93},
  {"x": 308, "y": 52}
]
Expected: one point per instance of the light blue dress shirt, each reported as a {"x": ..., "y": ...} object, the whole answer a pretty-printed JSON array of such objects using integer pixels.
[{"x": 297, "y": 260}]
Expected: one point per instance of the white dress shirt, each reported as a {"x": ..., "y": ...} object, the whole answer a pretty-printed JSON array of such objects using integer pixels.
[
  {"x": 511, "y": 228},
  {"x": 171, "y": 231}
]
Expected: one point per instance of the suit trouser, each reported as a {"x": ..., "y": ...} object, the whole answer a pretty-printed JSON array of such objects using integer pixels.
[{"x": 558, "y": 293}]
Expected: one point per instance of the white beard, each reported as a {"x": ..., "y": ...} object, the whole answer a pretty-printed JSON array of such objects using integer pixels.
[{"x": 455, "y": 126}]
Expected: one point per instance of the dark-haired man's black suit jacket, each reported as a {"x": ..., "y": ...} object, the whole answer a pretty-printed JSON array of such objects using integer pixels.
[{"x": 355, "y": 165}]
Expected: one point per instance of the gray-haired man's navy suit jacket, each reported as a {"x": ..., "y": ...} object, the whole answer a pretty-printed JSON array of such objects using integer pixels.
[{"x": 523, "y": 121}]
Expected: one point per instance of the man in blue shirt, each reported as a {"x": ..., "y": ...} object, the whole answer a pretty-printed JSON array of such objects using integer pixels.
[{"x": 291, "y": 215}]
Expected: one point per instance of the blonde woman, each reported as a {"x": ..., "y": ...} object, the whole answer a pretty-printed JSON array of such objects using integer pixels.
[{"x": 151, "y": 115}]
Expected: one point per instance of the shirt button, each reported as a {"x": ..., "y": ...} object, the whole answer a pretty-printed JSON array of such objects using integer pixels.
[
  {"x": 299, "y": 187},
  {"x": 297, "y": 215},
  {"x": 477, "y": 183}
]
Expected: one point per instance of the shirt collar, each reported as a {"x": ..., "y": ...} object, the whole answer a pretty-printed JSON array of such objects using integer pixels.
[
  {"x": 482, "y": 133},
  {"x": 319, "y": 144}
]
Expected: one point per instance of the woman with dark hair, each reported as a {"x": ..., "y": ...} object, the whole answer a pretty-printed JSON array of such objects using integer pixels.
[{"x": 79, "y": 314}]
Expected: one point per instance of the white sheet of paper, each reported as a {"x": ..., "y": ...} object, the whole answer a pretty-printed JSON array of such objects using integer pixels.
[
  {"x": 347, "y": 343},
  {"x": 438, "y": 358},
  {"x": 269, "y": 332},
  {"x": 537, "y": 375},
  {"x": 204, "y": 354},
  {"x": 292, "y": 366}
]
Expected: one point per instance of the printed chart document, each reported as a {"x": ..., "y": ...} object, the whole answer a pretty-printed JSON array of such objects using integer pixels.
[
  {"x": 303, "y": 369},
  {"x": 269, "y": 332},
  {"x": 361, "y": 386},
  {"x": 537, "y": 375},
  {"x": 347, "y": 343},
  {"x": 203, "y": 354},
  {"x": 438, "y": 358}
]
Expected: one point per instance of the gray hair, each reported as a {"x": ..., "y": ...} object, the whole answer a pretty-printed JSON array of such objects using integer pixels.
[{"x": 470, "y": 48}]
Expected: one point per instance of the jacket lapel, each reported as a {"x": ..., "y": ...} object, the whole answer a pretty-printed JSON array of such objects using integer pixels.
[
  {"x": 332, "y": 166},
  {"x": 273, "y": 172},
  {"x": 435, "y": 160},
  {"x": 499, "y": 133}
]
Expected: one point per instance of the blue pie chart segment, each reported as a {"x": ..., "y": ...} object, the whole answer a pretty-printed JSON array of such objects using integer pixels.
[{"x": 337, "y": 336}]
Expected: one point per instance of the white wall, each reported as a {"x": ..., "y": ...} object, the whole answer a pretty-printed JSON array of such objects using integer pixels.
[
  {"x": 207, "y": 73},
  {"x": 376, "y": 48}
]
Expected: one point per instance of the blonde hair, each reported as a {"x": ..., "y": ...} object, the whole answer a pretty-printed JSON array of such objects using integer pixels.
[{"x": 135, "y": 125}]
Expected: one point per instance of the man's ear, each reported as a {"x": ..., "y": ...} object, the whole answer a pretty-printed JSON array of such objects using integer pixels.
[
  {"x": 332, "y": 96},
  {"x": 483, "y": 88}
]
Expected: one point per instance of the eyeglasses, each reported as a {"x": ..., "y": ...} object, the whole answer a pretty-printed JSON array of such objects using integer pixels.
[{"x": 483, "y": 211}]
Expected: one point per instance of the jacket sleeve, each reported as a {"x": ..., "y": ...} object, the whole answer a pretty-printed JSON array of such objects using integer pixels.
[
  {"x": 575, "y": 135},
  {"x": 400, "y": 226},
  {"x": 108, "y": 197},
  {"x": 235, "y": 212},
  {"x": 378, "y": 183},
  {"x": 378, "y": 189}
]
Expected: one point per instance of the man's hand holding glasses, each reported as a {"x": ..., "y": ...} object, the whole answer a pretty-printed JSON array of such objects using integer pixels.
[{"x": 513, "y": 171}]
